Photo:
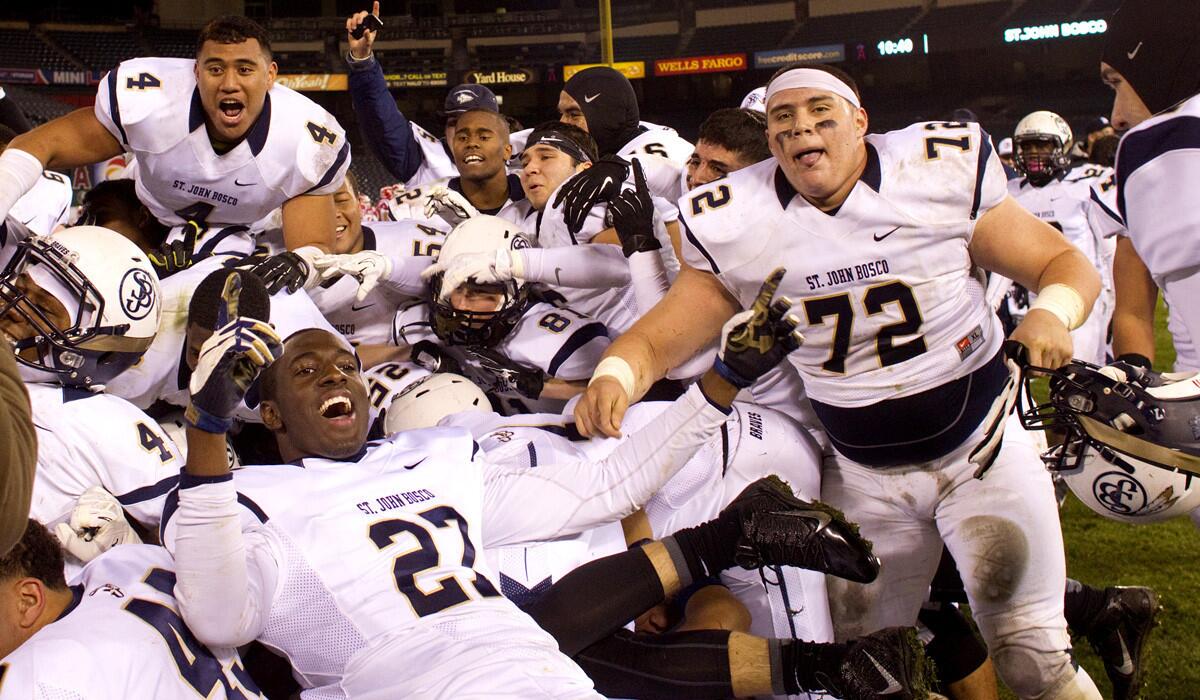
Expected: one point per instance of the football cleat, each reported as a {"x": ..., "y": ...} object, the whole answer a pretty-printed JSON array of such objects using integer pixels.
[
  {"x": 779, "y": 529},
  {"x": 888, "y": 664},
  {"x": 1119, "y": 636}
]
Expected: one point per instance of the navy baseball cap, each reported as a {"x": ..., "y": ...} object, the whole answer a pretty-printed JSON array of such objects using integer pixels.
[{"x": 464, "y": 98}]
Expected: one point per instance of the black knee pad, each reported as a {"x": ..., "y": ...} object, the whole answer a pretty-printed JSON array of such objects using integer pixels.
[{"x": 956, "y": 647}]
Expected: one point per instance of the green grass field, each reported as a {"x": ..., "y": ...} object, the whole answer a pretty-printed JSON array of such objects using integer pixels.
[{"x": 1166, "y": 557}]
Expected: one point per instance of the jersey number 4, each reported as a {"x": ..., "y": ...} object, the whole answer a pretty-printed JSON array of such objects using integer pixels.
[
  {"x": 197, "y": 665},
  {"x": 144, "y": 81},
  {"x": 874, "y": 302},
  {"x": 406, "y": 567},
  {"x": 320, "y": 133}
]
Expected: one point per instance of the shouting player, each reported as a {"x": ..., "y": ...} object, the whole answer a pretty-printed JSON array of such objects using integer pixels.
[
  {"x": 217, "y": 143},
  {"x": 901, "y": 357}
]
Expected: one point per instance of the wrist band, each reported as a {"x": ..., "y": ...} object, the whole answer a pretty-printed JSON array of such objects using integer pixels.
[
  {"x": 200, "y": 419},
  {"x": 516, "y": 261},
  {"x": 618, "y": 369},
  {"x": 19, "y": 172},
  {"x": 1062, "y": 301}
]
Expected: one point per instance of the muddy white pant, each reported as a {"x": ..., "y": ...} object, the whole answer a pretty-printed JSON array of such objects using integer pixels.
[{"x": 1003, "y": 531}]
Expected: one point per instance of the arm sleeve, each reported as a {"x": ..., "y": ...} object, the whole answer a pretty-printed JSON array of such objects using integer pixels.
[
  {"x": 19, "y": 452},
  {"x": 582, "y": 494},
  {"x": 405, "y": 279},
  {"x": 386, "y": 130},
  {"x": 583, "y": 267},
  {"x": 649, "y": 276},
  {"x": 225, "y": 579}
]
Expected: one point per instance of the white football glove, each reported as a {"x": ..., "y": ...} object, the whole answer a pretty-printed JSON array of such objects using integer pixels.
[
  {"x": 97, "y": 525},
  {"x": 448, "y": 204},
  {"x": 483, "y": 268},
  {"x": 368, "y": 267}
]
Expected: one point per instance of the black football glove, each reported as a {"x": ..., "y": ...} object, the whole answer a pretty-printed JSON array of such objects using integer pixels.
[
  {"x": 430, "y": 356},
  {"x": 230, "y": 360},
  {"x": 596, "y": 184},
  {"x": 290, "y": 270},
  {"x": 176, "y": 255},
  {"x": 753, "y": 342},
  {"x": 632, "y": 215},
  {"x": 496, "y": 374}
]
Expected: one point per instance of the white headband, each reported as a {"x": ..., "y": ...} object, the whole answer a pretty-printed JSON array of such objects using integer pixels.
[{"x": 812, "y": 78}]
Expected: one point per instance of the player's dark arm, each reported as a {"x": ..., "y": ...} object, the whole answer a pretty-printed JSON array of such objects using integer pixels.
[
  {"x": 1137, "y": 294},
  {"x": 386, "y": 130},
  {"x": 72, "y": 140},
  {"x": 19, "y": 453}
]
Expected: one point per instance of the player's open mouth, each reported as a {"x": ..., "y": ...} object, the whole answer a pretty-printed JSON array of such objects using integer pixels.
[
  {"x": 231, "y": 110},
  {"x": 338, "y": 409},
  {"x": 338, "y": 231},
  {"x": 809, "y": 158},
  {"x": 473, "y": 158}
]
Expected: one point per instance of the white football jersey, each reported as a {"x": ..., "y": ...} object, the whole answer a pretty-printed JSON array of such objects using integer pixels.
[
  {"x": 152, "y": 106},
  {"x": 663, "y": 154},
  {"x": 370, "y": 320},
  {"x": 1067, "y": 204},
  {"x": 437, "y": 162},
  {"x": 126, "y": 597},
  {"x": 87, "y": 439},
  {"x": 375, "y": 559},
  {"x": 559, "y": 341},
  {"x": 47, "y": 206},
  {"x": 1157, "y": 170},
  {"x": 410, "y": 203},
  {"x": 617, "y": 307},
  {"x": 885, "y": 288}
]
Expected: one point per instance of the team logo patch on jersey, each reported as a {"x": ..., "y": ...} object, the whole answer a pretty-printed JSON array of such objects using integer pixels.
[
  {"x": 137, "y": 293},
  {"x": 969, "y": 343}
]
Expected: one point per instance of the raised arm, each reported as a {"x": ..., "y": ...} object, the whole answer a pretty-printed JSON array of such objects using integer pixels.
[
  {"x": 580, "y": 494},
  {"x": 224, "y": 583},
  {"x": 387, "y": 131}
]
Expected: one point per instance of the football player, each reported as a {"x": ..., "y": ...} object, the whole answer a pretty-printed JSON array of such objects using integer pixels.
[
  {"x": 1155, "y": 80},
  {"x": 126, "y": 595},
  {"x": 216, "y": 140},
  {"x": 510, "y": 338},
  {"x": 374, "y": 269},
  {"x": 353, "y": 603},
  {"x": 411, "y": 154},
  {"x": 729, "y": 140},
  {"x": 594, "y": 279},
  {"x": 482, "y": 185},
  {"x": 901, "y": 357},
  {"x": 1061, "y": 196},
  {"x": 79, "y": 308}
]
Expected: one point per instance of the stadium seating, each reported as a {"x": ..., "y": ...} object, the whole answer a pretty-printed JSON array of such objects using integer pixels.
[
  {"x": 21, "y": 48},
  {"x": 99, "y": 50}
]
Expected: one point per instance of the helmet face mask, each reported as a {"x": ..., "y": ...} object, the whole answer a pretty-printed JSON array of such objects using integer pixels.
[
  {"x": 1131, "y": 448},
  {"x": 116, "y": 307},
  {"x": 486, "y": 235}
]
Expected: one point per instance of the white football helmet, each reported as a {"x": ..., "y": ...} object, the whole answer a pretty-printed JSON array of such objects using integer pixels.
[
  {"x": 425, "y": 403},
  {"x": 479, "y": 234},
  {"x": 1129, "y": 435},
  {"x": 110, "y": 293},
  {"x": 1042, "y": 126}
]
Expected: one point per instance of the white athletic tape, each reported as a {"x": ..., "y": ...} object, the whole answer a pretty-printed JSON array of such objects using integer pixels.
[
  {"x": 1064, "y": 302},
  {"x": 618, "y": 369},
  {"x": 811, "y": 78}
]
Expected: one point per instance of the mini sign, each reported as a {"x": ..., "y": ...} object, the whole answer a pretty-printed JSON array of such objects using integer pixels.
[{"x": 701, "y": 64}]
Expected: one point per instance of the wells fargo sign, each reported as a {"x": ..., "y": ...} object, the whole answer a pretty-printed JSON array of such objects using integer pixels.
[{"x": 701, "y": 64}]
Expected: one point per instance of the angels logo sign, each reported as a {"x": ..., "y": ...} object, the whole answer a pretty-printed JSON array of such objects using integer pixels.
[{"x": 137, "y": 293}]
